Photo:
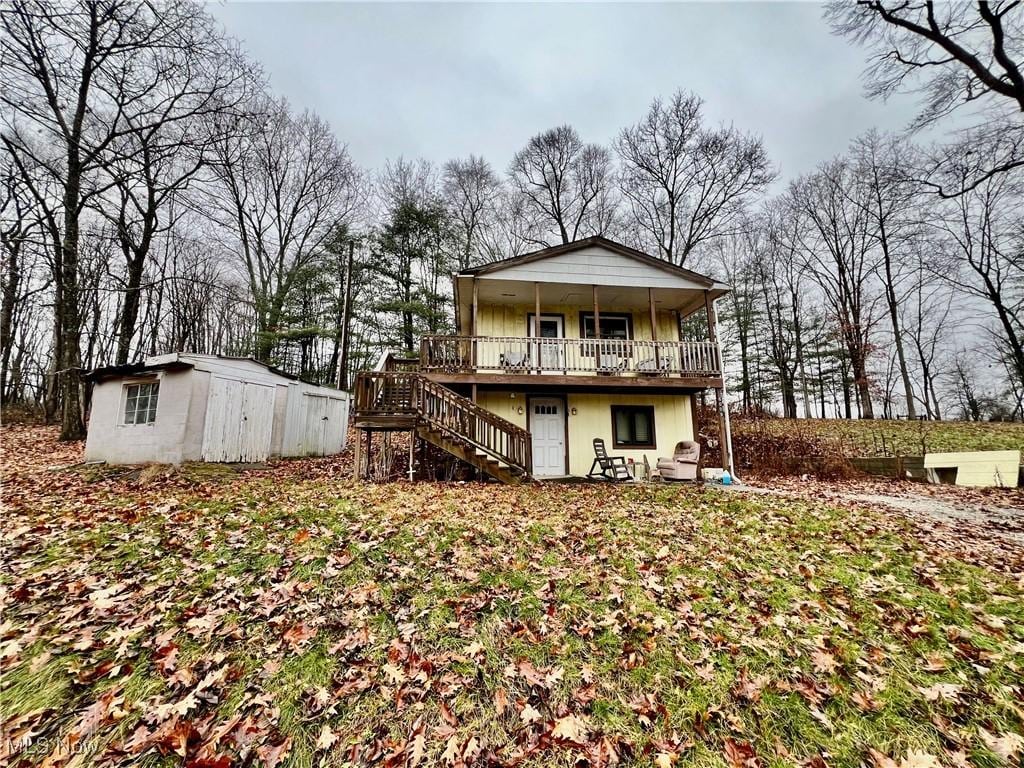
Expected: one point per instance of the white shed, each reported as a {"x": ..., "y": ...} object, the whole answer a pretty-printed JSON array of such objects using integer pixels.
[{"x": 189, "y": 407}]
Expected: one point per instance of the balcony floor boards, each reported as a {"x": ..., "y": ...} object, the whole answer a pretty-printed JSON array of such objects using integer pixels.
[{"x": 528, "y": 381}]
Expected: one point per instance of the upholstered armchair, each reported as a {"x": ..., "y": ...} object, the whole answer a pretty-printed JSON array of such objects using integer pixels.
[{"x": 683, "y": 464}]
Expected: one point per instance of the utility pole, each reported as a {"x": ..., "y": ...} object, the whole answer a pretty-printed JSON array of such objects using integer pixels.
[{"x": 346, "y": 315}]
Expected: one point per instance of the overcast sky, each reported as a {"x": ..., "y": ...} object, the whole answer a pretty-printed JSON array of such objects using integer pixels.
[{"x": 446, "y": 80}]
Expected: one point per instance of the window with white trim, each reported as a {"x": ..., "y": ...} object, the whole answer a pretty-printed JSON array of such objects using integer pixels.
[{"x": 140, "y": 402}]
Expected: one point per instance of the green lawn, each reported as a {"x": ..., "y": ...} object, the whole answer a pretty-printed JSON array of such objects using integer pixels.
[{"x": 293, "y": 617}]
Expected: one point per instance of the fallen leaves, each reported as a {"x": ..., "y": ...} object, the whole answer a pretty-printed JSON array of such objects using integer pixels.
[
  {"x": 1005, "y": 746},
  {"x": 270, "y": 619},
  {"x": 571, "y": 727},
  {"x": 739, "y": 754},
  {"x": 299, "y": 635},
  {"x": 823, "y": 661}
]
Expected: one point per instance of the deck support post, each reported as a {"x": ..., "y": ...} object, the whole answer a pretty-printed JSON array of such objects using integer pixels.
[
  {"x": 654, "y": 327},
  {"x": 474, "y": 324},
  {"x": 412, "y": 449},
  {"x": 476, "y": 304},
  {"x": 536, "y": 322},
  {"x": 536, "y": 310},
  {"x": 357, "y": 454},
  {"x": 720, "y": 404}
]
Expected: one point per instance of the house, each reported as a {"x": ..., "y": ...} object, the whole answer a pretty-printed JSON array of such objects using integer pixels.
[
  {"x": 189, "y": 407},
  {"x": 555, "y": 348}
]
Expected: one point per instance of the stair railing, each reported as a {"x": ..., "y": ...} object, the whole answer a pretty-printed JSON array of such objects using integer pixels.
[{"x": 382, "y": 393}]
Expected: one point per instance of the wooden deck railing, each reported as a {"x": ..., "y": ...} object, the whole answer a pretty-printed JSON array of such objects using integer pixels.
[
  {"x": 512, "y": 354},
  {"x": 401, "y": 393}
]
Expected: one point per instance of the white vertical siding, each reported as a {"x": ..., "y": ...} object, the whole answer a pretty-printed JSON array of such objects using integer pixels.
[
  {"x": 221, "y": 410},
  {"x": 316, "y": 423},
  {"x": 239, "y": 421}
]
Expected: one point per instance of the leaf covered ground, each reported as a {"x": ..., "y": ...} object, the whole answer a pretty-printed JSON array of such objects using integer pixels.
[{"x": 287, "y": 616}]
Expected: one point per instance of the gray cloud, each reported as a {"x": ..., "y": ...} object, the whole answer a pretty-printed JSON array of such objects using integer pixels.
[{"x": 445, "y": 80}]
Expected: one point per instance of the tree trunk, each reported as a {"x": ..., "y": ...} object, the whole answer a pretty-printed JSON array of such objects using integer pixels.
[
  {"x": 69, "y": 365},
  {"x": 798, "y": 342},
  {"x": 130, "y": 309},
  {"x": 7, "y": 313},
  {"x": 863, "y": 391},
  {"x": 894, "y": 318}
]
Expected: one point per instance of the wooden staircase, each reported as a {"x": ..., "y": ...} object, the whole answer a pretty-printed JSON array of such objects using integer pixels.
[{"x": 445, "y": 419}]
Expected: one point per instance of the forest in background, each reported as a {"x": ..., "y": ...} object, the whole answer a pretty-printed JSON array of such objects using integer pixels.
[{"x": 157, "y": 196}]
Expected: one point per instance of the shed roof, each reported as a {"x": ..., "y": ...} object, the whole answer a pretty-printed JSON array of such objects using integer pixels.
[
  {"x": 107, "y": 372},
  {"x": 174, "y": 361}
]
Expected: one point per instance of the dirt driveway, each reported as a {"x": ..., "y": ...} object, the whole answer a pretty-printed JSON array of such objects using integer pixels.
[{"x": 980, "y": 525}]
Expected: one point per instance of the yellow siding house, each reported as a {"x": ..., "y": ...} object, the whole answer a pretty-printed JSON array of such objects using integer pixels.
[{"x": 554, "y": 349}]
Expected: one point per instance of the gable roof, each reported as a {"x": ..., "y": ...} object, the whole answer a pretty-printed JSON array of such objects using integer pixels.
[{"x": 590, "y": 242}]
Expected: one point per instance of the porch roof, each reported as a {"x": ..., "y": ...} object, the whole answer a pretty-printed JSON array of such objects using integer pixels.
[{"x": 567, "y": 274}]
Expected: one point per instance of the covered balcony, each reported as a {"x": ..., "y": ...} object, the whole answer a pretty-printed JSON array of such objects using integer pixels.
[
  {"x": 594, "y": 312},
  {"x": 514, "y": 355}
]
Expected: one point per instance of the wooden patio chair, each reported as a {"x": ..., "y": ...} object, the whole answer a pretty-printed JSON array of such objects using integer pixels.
[
  {"x": 654, "y": 367},
  {"x": 609, "y": 467},
  {"x": 609, "y": 362},
  {"x": 514, "y": 361}
]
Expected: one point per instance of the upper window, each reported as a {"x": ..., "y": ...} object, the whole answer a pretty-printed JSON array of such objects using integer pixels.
[
  {"x": 633, "y": 426},
  {"x": 140, "y": 402},
  {"x": 613, "y": 326}
]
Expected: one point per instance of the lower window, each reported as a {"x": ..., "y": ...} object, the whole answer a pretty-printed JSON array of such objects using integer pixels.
[
  {"x": 633, "y": 426},
  {"x": 140, "y": 402}
]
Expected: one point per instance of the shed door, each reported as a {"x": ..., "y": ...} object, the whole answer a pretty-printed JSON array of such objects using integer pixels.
[
  {"x": 239, "y": 421},
  {"x": 325, "y": 425}
]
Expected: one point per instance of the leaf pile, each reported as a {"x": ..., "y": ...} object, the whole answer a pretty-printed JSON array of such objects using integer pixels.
[{"x": 291, "y": 617}]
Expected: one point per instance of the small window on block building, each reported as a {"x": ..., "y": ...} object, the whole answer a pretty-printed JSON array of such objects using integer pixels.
[
  {"x": 633, "y": 426},
  {"x": 140, "y": 402}
]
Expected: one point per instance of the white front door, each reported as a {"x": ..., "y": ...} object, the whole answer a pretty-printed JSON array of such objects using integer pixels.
[{"x": 547, "y": 426}]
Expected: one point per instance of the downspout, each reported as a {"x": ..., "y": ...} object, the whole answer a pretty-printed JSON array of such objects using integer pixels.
[{"x": 725, "y": 401}]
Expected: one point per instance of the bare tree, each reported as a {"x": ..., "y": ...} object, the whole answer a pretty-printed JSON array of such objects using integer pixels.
[
  {"x": 785, "y": 289},
  {"x": 471, "y": 191},
  {"x": 956, "y": 54},
  {"x": 561, "y": 179},
  {"x": 927, "y": 314},
  {"x": 738, "y": 255},
  {"x": 22, "y": 241},
  {"x": 285, "y": 185},
  {"x": 513, "y": 231},
  {"x": 982, "y": 233},
  {"x": 882, "y": 166},
  {"x": 687, "y": 184},
  {"x": 79, "y": 77},
  {"x": 836, "y": 248},
  {"x": 203, "y": 79}
]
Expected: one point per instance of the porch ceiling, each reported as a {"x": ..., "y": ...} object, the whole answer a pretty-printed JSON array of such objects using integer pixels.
[{"x": 610, "y": 297}]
